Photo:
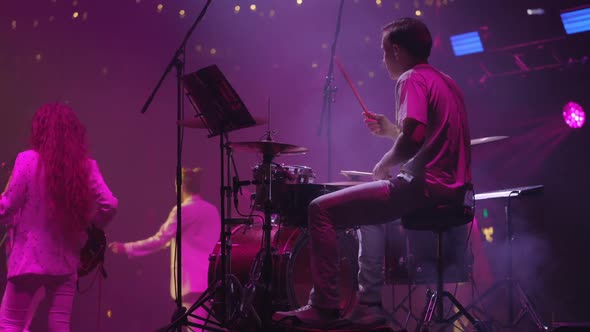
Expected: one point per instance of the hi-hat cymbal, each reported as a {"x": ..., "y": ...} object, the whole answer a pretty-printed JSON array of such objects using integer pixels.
[
  {"x": 489, "y": 139},
  {"x": 199, "y": 123},
  {"x": 268, "y": 147}
]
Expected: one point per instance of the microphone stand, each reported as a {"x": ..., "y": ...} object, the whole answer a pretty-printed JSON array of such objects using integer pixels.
[
  {"x": 329, "y": 91},
  {"x": 177, "y": 62}
]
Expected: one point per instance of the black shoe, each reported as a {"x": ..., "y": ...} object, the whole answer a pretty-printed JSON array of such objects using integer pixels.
[{"x": 309, "y": 316}]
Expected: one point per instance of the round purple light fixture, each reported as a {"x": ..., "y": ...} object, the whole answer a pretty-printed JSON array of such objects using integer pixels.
[{"x": 573, "y": 115}]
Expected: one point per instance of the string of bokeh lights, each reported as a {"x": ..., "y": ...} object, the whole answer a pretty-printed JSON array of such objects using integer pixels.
[
  {"x": 78, "y": 15},
  {"x": 573, "y": 113}
]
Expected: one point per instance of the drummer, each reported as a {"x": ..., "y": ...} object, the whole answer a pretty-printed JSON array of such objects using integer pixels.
[
  {"x": 431, "y": 141},
  {"x": 201, "y": 227}
]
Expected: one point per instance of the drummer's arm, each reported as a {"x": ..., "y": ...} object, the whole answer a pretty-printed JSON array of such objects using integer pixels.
[
  {"x": 156, "y": 242},
  {"x": 407, "y": 143}
]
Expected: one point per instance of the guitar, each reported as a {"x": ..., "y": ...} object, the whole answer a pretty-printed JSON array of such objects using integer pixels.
[{"x": 92, "y": 254}]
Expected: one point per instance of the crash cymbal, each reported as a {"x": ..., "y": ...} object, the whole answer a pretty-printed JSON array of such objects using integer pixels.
[
  {"x": 489, "y": 139},
  {"x": 268, "y": 147},
  {"x": 199, "y": 123}
]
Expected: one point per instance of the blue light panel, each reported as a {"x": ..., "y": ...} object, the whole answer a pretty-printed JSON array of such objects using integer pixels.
[
  {"x": 466, "y": 43},
  {"x": 576, "y": 21}
]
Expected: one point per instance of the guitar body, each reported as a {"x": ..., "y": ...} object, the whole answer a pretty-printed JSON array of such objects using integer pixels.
[{"x": 92, "y": 254}]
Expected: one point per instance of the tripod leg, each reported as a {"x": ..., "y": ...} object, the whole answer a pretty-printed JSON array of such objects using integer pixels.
[
  {"x": 205, "y": 317},
  {"x": 528, "y": 307},
  {"x": 246, "y": 307},
  {"x": 246, "y": 313},
  {"x": 428, "y": 313},
  {"x": 181, "y": 318},
  {"x": 402, "y": 306},
  {"x": 462, "y": 311},
  {"x": 487, "y": 293}
]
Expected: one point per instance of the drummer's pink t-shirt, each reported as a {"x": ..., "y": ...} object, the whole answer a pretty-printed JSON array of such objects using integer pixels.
[{"x": 431, "y": 97}]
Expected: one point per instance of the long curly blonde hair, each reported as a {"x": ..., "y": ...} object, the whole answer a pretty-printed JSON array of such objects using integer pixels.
[{"x": 60, "y": 139}]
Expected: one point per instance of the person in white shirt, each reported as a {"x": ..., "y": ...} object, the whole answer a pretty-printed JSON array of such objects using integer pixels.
[{"x": 201, "y": 229}]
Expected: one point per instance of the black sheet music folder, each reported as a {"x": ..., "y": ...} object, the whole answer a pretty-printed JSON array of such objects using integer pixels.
[{"x": 216, "y": 101}]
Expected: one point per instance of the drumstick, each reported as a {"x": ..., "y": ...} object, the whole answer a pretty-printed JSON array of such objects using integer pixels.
[
  {"x": 356, "y": 173},
  {"x": 356, "y": 93}
]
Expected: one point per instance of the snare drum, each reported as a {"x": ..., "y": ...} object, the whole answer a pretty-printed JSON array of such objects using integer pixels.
[{"x": 291, "y": 273}]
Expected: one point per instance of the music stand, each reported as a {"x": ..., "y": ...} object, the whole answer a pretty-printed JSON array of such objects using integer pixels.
[
  {"x": 221, "y": 110},
  {"x": 526, "y": 305},
  {"x": 216, "y": 102}
]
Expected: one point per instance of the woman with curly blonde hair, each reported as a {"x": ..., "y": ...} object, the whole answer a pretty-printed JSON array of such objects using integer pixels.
[{"x": 55, "y": 192}]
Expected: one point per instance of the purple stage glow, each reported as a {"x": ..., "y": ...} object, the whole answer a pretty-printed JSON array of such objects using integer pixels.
[{"x": 573, "y": 115}]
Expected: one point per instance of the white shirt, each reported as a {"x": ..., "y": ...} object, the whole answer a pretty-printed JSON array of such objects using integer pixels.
[{"x": 201, "y": 228}]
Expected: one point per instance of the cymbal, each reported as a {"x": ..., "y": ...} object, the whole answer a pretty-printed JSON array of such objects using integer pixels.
[
  {"x": 489, "y": 139},
  {"x": 199, "y": 123},
  {"x": 268, "y": 147}
]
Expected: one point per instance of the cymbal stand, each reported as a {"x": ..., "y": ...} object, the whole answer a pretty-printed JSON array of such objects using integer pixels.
[
  {"x": 228, "y": 282},
  {"x": 526, "y": 306},
  {"x": 266, "y": 234},
  {"x": 329, "y": 93},
  {"x": 177, "y": 62},
  {"x": 262, "y": 266}
]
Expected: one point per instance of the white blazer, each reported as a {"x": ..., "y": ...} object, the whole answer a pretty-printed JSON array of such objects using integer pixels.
[{"x": 37, "y": 248}]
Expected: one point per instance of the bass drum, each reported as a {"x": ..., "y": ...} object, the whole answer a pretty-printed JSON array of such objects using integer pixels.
[{"x": 291, "y": 271}]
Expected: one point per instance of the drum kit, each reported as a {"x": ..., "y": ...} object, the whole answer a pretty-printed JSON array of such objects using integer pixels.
[
  {"x": 269, "y": 270},
  {"x": 268, "y": 263},
  {"x": 276, "y": 275}
]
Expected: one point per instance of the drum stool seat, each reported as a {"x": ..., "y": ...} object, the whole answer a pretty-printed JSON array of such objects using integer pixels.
[{"x": 440, "y": 218}]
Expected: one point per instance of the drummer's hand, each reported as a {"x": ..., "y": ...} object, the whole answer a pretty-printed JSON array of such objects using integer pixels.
[
  {"x": 380, "y": 125},
  {"x": 117, "y": 248},
  {"x": 381, "y": 172}
]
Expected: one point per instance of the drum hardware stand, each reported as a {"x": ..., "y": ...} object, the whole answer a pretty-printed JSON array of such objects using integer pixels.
[
  {"x": 526, "y": 305},
  {"x": 221, "y": 111},
  {"x": 228, "y": 283},
  {"x": 264, "y": 256},
  {"x": 177, "y": 62},
  {"x": 402, "y": 306},
  {"x": 267, "y": 250},
  {"x": 329, "y": 92},
  {"x": 412, "y": 287}
]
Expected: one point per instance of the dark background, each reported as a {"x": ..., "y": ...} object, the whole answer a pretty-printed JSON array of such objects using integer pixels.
[{"x": 105, "y": 62}]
